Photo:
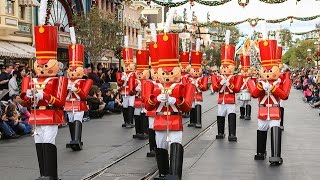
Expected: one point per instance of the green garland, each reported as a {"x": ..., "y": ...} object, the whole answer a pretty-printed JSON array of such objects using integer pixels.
[
  {"x": 273, "y": 1},
  {"x": 302, "y": 33},
  {"x": 256, "y": 20}
]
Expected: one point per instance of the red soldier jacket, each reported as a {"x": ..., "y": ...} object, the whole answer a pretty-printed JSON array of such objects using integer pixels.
[
  {"x": 286, "y": 77},
  {"x": 170, "y": 114},
  {"x": 127, "y": 87},
  {"x": 201, "y": 84},
  {"x": 49, "y": 110},
  {"x": 76, "y": 101},
  {"x": 144, "y": 92},
  {"x": 227, "y": 94},
  {"x": 269, "y": 108},
  {"x": 185, "y": 78},
  {"x": 138, "y": 101}
]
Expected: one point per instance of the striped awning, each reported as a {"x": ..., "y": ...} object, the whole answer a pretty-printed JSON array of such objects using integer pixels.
[
  {"x": 29, "y": 3},
  {"x": 16, "y": 50}
]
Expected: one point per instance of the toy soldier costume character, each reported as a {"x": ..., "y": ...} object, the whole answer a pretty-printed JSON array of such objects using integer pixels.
[
  {"x": 201, "y": 84},
  {"x": 126, "y": 81},
  {"x": 269, "y": 91},
  {"x": 227, "y": 84},
  {"x": 169, "y": 98},
  {"x": 78, "y": 90},
  {"x": 142, "y": 75},
  {"x": 46, "y": 94},
  {"x": 185, "y": 67},
  {"x": 245, "y": 96}
]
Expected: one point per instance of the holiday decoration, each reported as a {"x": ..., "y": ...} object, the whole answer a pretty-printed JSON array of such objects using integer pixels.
[{"x": 243, "y": 3}]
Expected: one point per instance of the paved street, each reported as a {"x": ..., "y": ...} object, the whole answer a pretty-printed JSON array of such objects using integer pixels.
[{"x": 206, "y": 158}]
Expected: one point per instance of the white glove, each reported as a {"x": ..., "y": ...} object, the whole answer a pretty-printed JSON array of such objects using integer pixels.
[
  {"x": 162, "y": 98},
  {"x": 29, "y": 93},
  {"x": 266, "y": 86},
  {"x": 69, "y": 86},
  {"x": 124, "y": 78},
  {"x": 39, "y": 95},
  {"x": 172, "y": 100},
  {"x": 227, "y": 83},
  {"x": 73, "y": 88},
  {"x": 138, "y": 88}
]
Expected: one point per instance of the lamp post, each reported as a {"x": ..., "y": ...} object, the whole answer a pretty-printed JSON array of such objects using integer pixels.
[
  {"x": 120, "y": 9},
  {"x": 309, "y": 58},
  {"x": 317, "y": 51}
]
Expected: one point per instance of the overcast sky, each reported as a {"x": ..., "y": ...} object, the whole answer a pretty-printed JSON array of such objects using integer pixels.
[{"x": 232, "y": 12}]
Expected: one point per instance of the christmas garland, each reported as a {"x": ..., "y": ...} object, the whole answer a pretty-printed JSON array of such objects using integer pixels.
[
  {"x": 303, "y": 33},
  {"x": 208, "y": 3},
  {"x": 253, "y": 22}
]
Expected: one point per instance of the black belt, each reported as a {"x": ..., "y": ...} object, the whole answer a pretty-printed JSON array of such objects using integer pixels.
[
  {"x": 270, "y": 105},
  {"x": 169, "y": 113},
  {"x": 47, "y": 108}
]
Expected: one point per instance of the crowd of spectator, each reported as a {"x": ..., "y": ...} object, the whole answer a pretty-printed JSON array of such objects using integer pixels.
[{"x": 102, "y": 99}]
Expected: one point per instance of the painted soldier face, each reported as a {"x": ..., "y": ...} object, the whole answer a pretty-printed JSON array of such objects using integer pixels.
[
  {"x": 75, "y": 73},
  {"x": 195, "y": 72},
  {"x": 227, "y": 70},
  {"x": 154, "y": 74},
  {"x": 130, "y": 67},
  {"x": 143, "y": 74},
  {"x": 50, "y": 69},
  {"x": 185, "y": 69},
  {"x": 270, "y": 74},
  {"x": 246, "y": 72},
  {"x": 169, "y": 75}
]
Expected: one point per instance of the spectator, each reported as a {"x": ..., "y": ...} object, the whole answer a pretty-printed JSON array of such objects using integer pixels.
[
  {"x": 6, "y": 129},
  {"x": 24, "y": 113},
  {"x": 95, "y": 102},
  {"x": 13, "y": 85},
  {"x": 4, "y": 82},
  {"x": 93, "y": 75},
  {"x": 14, "y": 122},
  {"x": 112, "y": 104},
  {"x": 113, "y": 75}
]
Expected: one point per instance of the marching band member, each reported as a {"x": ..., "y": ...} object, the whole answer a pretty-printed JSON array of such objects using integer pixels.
[
  {"x": 169, "y": 100},
  {"x": 46, "y": 94},
  {"x": 154, "y": 76},
  {"x": 78, "y": 90},
  {"x": 126, "y": 80},
  {"x": 269, "y": 90},
  {"x": 185, "y": 67},
  {"x": 227, "y": 84},
  {"x": 245, "y": 96},
  {"x": 201, "y": 84},
  {"x": 142, "y": 75}
]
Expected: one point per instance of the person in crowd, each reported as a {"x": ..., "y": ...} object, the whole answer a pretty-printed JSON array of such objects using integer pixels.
[
  {"x": 93, "y": 75},
  {"x": 95, "y": 101},
  {"x": 23, "y": 111},
  {"x": 4, "y": 81},
  {"x": 6, "y": 129},
  {"x": 13, "y": 85},
  {"x": 13, "y": 117},
  {"x": 112, "y": 103}
]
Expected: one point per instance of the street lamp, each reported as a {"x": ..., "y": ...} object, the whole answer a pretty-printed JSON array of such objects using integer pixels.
[{"x": 317, "y": 51}]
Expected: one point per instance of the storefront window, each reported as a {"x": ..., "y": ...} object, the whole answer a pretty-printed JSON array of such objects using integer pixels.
[
  {"x": 9, "y": 7},
  {"x": 22, "y": 12},
  {"x": 28, "y": 14}
]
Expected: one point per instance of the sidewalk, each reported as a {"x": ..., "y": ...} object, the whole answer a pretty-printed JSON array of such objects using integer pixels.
[{"x": 221, "y": 159}]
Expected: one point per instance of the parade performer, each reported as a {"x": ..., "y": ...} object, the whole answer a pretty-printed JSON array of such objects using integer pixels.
[
  {"x": 142, "y": 75},
  {"x": 46, "y": 94},
  {"x": 185, "y": 67},
  {"x": 78, "y": 90},
  {"x": 245, "y": 96},
  {"x": 269, "y": 90},
  {"x": 153, "y": 51},
  {"x": 169, "y": 99},
  {"x": 126, "y": 81},
  {"x": 201, "y": 84},
  {"x": 227, "y": 84}
]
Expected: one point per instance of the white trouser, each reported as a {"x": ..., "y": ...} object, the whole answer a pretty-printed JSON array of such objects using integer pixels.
[
  {"x": 194, "y": 103},
  {"x": 244, "y": 103},
  {"x": 138, "y": 111},
  {"x": 281, "y": 103},
  {"x": 225, "y": 109},
  {"x": 46, "y": 134},
  {"x": 151, "y": 122},
  {"x": 174, "y": 137},
  {"x": 127, "y": 101},
  {"x": 76, "y": 116},
  {"x": 264, "y": 125}
]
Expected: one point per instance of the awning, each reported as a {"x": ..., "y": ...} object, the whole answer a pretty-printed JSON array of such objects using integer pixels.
[
  {"x": 16, "y": 50},
  {"x": 29, "y": 3}
]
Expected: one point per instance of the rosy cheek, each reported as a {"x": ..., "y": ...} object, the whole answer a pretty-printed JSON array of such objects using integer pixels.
[{"x": 274, "y": 75}]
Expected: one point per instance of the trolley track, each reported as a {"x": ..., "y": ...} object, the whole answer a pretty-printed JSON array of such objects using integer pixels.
[{"x": 101, "y": 171}]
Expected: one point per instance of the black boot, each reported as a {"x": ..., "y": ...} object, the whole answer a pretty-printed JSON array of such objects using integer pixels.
[
  {"x": 76, "y": 144},
  {"x": 39, "y": 148},
  {"x": 50, "y": 166},
  {"x": 144, "y": 126},
  {"x": 242, "y": 112},
  {"x": 152, "y": 143},
  {"x": 192, "y": 118},
  {"x": 248, "y": 112},
  {"x": 232, "y": 127},
  {"x": 282, "y": 118},
  {"x": 176, "y": 161},
  {"x": 261, "y": 145},
  {"x": 130, "y": 117},
  {"x": 71, "y": 129},
  {"x": 198, "y": 116},
  {"x": 275, "y": 158},
  {"x": 125, "y": 116},
  {"x": 137, "y": 122},
  {"x": 162, "y": 158},
  {"x": 220, "y": 124}
]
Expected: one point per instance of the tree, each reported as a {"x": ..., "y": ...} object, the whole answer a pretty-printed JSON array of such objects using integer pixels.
[
  {"x": 99, "y": 32},
  {"x": 297, "y": 56},
  {"x": 213, "y": 55},
  {"x": 221, "y": 31}
]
